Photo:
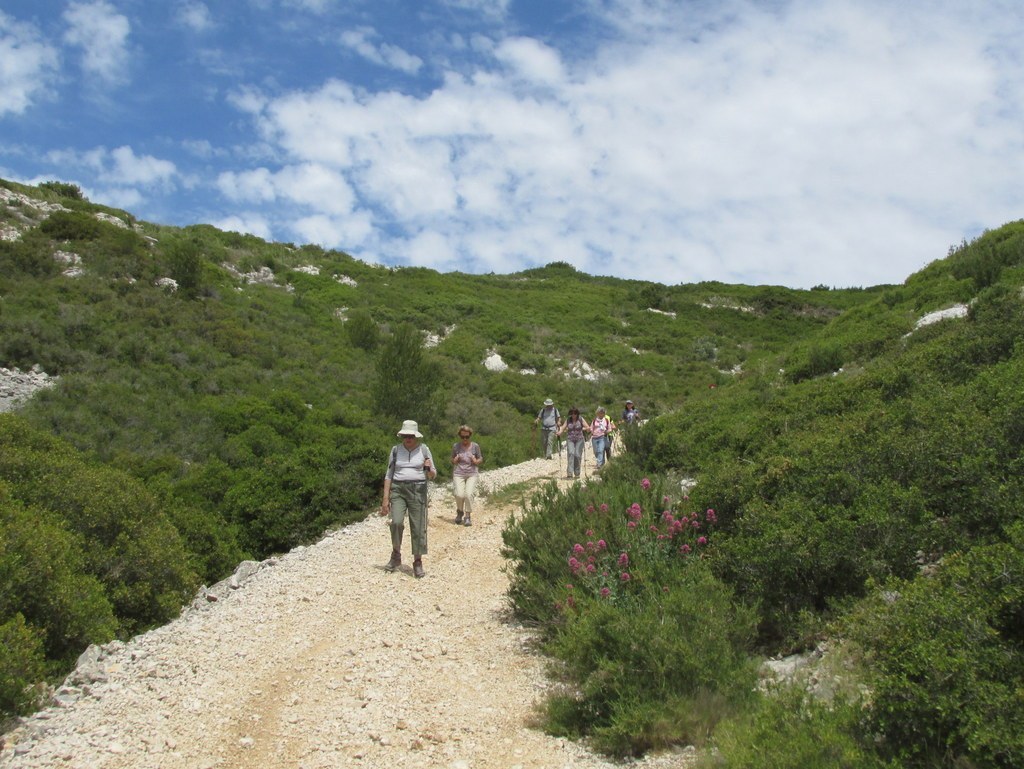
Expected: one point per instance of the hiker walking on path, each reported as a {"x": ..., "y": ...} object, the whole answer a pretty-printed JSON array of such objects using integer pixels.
[
  {"x": 600, "y": 429},
  {"x": 549, "y": 420},
  {"x": 573, "y": 428},
  {"x": 405, "y": 491},
  {"x": 466, "y": 457},
  {"x": 630, "y": 414}
]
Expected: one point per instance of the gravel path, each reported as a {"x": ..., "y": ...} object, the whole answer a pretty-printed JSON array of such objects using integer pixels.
[{"x": 322, "y": 659}]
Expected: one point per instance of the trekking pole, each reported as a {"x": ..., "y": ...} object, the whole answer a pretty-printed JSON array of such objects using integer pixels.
[{"x": 558, "y": 444}]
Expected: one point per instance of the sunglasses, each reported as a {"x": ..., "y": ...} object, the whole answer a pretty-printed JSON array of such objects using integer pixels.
[{"x": 463, "y": 435}]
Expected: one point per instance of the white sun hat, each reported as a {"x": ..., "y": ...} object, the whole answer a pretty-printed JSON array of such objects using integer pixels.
[{"x": 409, "y": 427}]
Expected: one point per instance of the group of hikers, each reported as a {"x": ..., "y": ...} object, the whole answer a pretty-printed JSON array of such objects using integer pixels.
[
  {"x": 411, "y": 466},
  {"x": 574, "y": 427}
]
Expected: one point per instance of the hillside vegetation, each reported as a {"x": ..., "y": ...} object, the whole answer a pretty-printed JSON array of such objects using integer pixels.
[{"x": 857, "y": 477}]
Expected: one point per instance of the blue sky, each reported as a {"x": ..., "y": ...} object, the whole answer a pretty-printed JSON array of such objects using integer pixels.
[{"x": 790, "y": 142}]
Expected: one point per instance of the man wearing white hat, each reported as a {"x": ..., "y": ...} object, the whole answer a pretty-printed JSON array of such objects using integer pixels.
[
  {"x": 550, "y": 420},
  {"x": 405, "y": 491}
]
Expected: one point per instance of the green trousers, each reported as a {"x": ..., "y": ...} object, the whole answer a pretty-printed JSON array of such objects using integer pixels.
[{"x": 409, "y": 498}]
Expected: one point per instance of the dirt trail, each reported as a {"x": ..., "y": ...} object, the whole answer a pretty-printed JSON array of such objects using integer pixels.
[{"x": 326, "y": 660}]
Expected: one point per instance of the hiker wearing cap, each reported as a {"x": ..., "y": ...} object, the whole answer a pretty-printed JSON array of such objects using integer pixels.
[
  {"x": 549, "y": 420},
  {"x": 600, "y": 429},
  {"x": 405, "y": 491},
  {"x": 573, "y": 430},
  {"x": 630, "y": 415},
  {"x": 466, "y": 457}
]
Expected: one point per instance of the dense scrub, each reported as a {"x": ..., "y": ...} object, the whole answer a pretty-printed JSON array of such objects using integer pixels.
[{"x": 874, "y": 501}]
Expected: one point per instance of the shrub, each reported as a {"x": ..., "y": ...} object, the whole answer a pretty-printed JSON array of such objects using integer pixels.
[
  {"x": 362, "y": 330},
  {"x": 22, "y": 666},
  {"x": 44, "y": 579},
  {"x": 946, "y": 655},
  {"x": 64, "y": 189},
  {"x": 71, "y": 225},
  {"x": 644, "y": 631},
  {"x": 788, "y": 729}
]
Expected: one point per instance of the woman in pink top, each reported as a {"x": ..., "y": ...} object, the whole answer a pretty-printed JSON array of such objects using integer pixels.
[
  {"x": 600, "y": 429},
  {"x": 466, "y": 458}
]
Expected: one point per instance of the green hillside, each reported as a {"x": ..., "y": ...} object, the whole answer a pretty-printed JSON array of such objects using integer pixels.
[{"x": 863, "y": 472}]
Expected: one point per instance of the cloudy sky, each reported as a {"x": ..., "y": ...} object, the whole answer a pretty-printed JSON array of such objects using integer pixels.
[{"x": 786, "y": 142}]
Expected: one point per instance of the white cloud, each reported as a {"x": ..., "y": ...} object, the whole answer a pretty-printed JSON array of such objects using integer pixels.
[
  {"x": 195, "y": 15},
  {"x": 247, "y": 223},
  {"x": 531, "y": 59},
  {"x": 362, "y": 41},
  {"x": 119, "y": 167},
  {"x": 28, "y": 65},
  {"x": 486, "y": 8},
  {"x": 102, "y": 34},
  {"x": 844, "y": 143}
]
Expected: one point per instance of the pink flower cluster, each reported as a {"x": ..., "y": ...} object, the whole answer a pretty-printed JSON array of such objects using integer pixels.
[{"x": 595, "y": 569}]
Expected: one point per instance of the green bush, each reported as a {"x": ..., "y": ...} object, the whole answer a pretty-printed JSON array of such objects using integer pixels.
[
  {"x": 71, "y": 225},
  {"x": 644, "y": 631},
  {"x": 44, "y": 579},
  {"x": 22, "y": 666},
  {"x": 946, "y": 661},
  {"x": 787, "y": 728}
]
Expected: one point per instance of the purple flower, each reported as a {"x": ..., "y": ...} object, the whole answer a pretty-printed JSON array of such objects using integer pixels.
[
  {"x": 684, "y": 549},
  {"x": 631, "y": 525},
  {"x": 625, "y": 576},
  {"x": 702, "y": 540},
  {"x": 624, "y": 560},
  {"x": 591, "y": 568},
  {"x": 569, "y": 586},
  {"x": 710, "y": 515},
  {"x": 645, "y": 483},
  {"x": 570, "y": 602},
  {"x": 590, "y": 508},
  {"x": 590, "y": 532},
  {"x": 604, "y": 508},
  {"x": 601, "y": 544},
  {"x": 577, "y": 548},
  {"x": 605, "y": 592}
]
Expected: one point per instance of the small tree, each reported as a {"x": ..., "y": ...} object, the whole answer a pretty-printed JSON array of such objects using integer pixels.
[
  {"x": 362, "y": 331},
  {"x": 406, "y": 378},
  {"x": 185, "y": 261}
]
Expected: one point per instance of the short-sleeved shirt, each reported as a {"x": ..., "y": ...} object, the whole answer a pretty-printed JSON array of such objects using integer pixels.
[
  {"x": 599, "y": 427},
  {"x": 465, "y": 467},
  {"x": 549, "y": 417},
  {"x": 406, "y": 465}
]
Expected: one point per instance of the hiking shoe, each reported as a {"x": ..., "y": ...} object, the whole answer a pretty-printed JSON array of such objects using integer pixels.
[
  {"x": 395, "y": 562},
  {"x": 458, "y": 517},
  {"x": 417, "y": 569},
  {"x": 467, "y": 522}
]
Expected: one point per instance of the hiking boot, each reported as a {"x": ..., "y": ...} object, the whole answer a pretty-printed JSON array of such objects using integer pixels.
[
  {"x": 458, "y": 516},
  {"x": 417, "y": 568},
  {"x": 395, "y": 562},
  {"x": 467, "y": 522}
]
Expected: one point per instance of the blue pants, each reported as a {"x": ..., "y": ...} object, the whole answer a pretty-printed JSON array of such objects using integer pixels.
[
  {"x": 574, "y": 457},
  {"x": 599, "y": 445}
]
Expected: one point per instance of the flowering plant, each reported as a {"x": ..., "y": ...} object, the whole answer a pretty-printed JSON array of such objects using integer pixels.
[{"x": 647, "y": 546}]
